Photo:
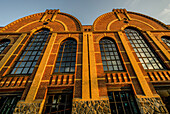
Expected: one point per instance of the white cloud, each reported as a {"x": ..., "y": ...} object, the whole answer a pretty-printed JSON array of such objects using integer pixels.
[
  {"x": 165, "y": 14},
  {"x": 133, "y": 3}
]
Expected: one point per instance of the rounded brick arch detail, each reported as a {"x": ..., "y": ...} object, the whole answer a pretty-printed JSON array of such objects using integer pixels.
[
  {"x": 68, "y": 37},
  {"x": 21, "y": 23},
  {"x": 19, "y": 20},
  {"x": 133, "y": 26},
  {"x": 114, "y": 17}
]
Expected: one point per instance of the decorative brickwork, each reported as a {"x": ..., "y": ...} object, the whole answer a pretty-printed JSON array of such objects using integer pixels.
[
  {"x": 151, "y": 106},
  {"x": 90, "y": 82},
  {"x": 27, "y": 108},
  {"x": 91, "y": 107}
]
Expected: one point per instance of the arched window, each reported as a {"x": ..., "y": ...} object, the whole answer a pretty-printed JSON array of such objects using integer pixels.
[
  {"x": 166, "y": 40},
  {"x": 110, "y": 55},
  {"x": 66, "y": 59},
  {"x": 28, "y": 59},
  {"x": 145, "y": 54},
  {"x": 3, "y": 44}
]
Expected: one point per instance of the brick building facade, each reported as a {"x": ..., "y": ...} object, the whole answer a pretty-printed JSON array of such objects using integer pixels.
[{"x": 51, "y": 63}]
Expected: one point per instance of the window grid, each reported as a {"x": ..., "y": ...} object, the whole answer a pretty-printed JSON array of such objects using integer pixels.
[
  {"x": 166, "y": 41},
  {"x": 110, "y": 56},
  {"x": 3, "y": 44},
  {"x": 122, "y": 102},
  {"x": 8, "y": 103},
  {"x": 66, "y": 59},
  {"x": 147, "y": 58},
  {"x": 29, "y": 57},
  {"x": 60, "y": 103}
]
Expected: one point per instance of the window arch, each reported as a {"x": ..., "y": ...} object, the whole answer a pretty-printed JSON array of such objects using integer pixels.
[
  {"x": 30, "y": 55},
  {"x": 146, "y": 55},
  {"x": 166, "y": 40},
  {"x": 3, "y": 44},
  {"x": 66, "y": 59},
  {"x": 110, "y": 56}
]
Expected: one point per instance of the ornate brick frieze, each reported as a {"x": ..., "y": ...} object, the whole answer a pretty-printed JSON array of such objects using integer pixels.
[
  {"x": 91, "y": 107},
  {"x": 27, "y": 108},
  {"x": 151, "y": 105}
]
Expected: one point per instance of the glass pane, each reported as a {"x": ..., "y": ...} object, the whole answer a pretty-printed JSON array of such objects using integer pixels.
[
  {"x": 120, "y": 108},
  {"x": 3, "y": 44},
  {"x": 117, "y": 96}
]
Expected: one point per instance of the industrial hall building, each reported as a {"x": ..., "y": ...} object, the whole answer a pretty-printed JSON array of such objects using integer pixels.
[{"x": 52, "y": 64}]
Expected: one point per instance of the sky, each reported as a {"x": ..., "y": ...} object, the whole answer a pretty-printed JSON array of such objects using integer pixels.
[{"x": 84, "y": 10}]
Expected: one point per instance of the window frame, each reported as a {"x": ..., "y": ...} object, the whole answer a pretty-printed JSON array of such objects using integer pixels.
[
  {"x": 66, "y": 93},
  {"x": 129, "y": 98},
  {"x": 7, "y": 97},
  {"x": 65, "y": 60},
  {"x": 5, "y": 40},
  {"x": 143, "y": 50},
  {"x": 33, "y": 57},
  {"x": 166, "y": 39},
  {"x": 113, "y": 54}
]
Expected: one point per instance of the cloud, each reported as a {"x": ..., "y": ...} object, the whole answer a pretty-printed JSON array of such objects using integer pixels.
[
  {"x": 133, "y": 3},
  {"x": 165, "y": 14}
]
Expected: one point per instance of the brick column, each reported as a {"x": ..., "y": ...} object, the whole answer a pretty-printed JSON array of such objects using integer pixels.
[
  {"x": 149, "y": 102},
  {"x": 30, "y": 105},
  {"x": 90, "y": 102}
]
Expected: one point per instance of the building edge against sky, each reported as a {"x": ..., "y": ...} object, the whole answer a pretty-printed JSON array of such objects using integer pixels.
[{"x": 51, "y": 63}]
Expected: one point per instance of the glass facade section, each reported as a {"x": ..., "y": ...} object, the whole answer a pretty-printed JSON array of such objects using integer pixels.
[
  {"x": 146, "y": 56},
  {"x": 110, "y": 56},
  {"x": 66, "y": 59},
  {"x": 29, "y": 57},
  {"x": 166, "y": 40},
  {"x": 60, "y": 103},
  {"x": 8, "y": 103},
  {"x": 3, "y": 44},
  {"x": 122, "y": 103}
]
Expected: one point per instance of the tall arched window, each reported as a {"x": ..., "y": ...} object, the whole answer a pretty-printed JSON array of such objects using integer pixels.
[
  {"x": 145, "y": 54},
  {"x": 166, "y": 40},
  {"x": 28, "y": 59},
  {"x": 110, "y": 55},
  {"x": 66, "y": 59},
  {"x": 3, "y": 44}
]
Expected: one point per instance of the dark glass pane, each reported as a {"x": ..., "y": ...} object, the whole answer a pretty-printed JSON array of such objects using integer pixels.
[
  {"x": 50, "y": 99},
  {"x": 120, "y": 108},
  {"x": 3, "y": 44},
  {"x": 117, "y": 96},
  {"x": 113, "y": 108},
  {"x": 127, "y": 108},
  {"x": 123, "y": 96},
  {"x": 8, "y": 103},
  {"x": 166, "y": 40},
  {"x": 110, "y": 94}
]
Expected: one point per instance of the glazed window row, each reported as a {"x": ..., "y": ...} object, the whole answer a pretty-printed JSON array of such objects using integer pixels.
[{"x": 66, "y": 59}]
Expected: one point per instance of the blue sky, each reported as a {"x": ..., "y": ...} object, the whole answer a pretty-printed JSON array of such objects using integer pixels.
[{"x": 84, "y": 10}]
